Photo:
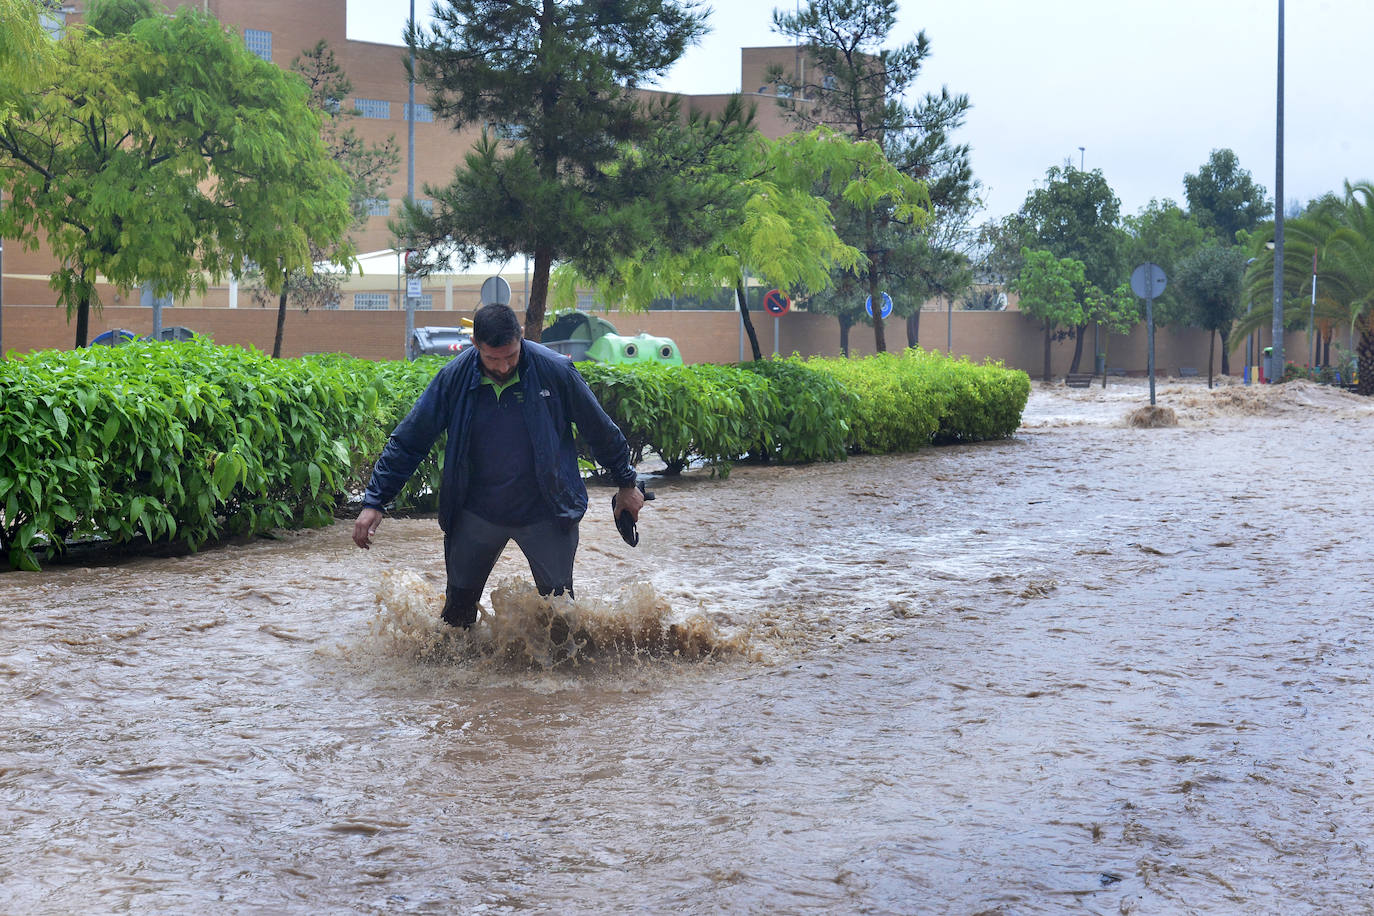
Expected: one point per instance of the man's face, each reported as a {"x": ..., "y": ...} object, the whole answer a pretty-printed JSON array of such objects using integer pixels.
[{"x": 499, "y": 363}]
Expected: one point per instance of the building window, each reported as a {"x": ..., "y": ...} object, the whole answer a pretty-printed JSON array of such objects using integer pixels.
[
  {"x": 371, "y": 302},
  {"x": 55, "y": 21},
  {"x": 259, "y": 42},
  {"x": 422, "y": 112},
  {"x": 829, "y": 82},
  {"x": 373, "y": 108},
  {"x": 424, "y": 302},
  {"x": 377, "y": 206},
  {"x": 426, "y": 205},
  {"x": 331, "y": 304}
]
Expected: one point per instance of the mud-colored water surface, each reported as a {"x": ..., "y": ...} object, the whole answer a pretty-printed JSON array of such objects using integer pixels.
[{"x": 1091, "y": 669}]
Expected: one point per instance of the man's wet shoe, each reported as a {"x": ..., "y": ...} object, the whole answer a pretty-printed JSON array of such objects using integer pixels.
[{"x": 456, "y": 615}]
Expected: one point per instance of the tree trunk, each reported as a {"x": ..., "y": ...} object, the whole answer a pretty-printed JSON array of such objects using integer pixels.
[
  {"x": 1048, "y": 328},
  {"x": 539, "y": 293},
  {"x": 879, "y": 332},
  {"x": 845, "y": 325},
  {"x": 1364, "y": 366},
  {"x": 1078, "y": 346},
  {"x": 281, "y": 321},
  {"x": 743, "y": 295},
  {"x": 1211, "y": 348},
  {"x": 913, "y": 329},
  {"x": 1226, "y": 351},
  {"x": 83, "y": 322}
]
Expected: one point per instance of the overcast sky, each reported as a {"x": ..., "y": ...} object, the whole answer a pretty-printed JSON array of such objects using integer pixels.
[{"x": 1148, "y": 89}]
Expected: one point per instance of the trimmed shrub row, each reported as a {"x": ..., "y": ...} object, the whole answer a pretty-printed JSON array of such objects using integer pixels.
[
  {"x": 190, "y": 442},
  {"x": 173, "y": 442}
]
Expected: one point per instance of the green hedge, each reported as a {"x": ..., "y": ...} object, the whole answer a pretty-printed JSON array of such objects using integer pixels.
[
  {"x": 905, "y": 401},
  {"x": 685, "y": 413},
  {"x": 174, "y": 442},
  {"x": 189, "y": 442},
  {"x": 811, "y": 422}
]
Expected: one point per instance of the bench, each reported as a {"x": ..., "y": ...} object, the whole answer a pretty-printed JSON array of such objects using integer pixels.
[
  {"x": 1187, "y": 372},
  {"x": 1078, "y": 379}
]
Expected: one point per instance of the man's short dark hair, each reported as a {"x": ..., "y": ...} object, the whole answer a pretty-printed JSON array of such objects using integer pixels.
[{"x": 495, "y": 325}]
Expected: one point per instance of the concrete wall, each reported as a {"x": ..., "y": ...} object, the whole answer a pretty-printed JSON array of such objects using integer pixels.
[{"x": 704, "y": 336}]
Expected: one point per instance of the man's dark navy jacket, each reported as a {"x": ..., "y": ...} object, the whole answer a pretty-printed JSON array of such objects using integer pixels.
[{"x": 555, "y": 397}]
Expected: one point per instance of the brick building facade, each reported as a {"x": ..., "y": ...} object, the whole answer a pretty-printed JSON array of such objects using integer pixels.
[{"x": 279, "y": 32}]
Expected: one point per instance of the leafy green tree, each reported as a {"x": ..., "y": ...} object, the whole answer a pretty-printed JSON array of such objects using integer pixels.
[
  {"x": 551, "y": 83},
  {"x": 1162, "y": 233},
  {"x": 934, "y": 261},
  {"x": 368, "y": 167},
  {"x": 1051, "y": 290},
  {"x": 26, "y": 52},
  {"x": 163, "y": 155},
  {"x": 767, "y": 221},
  {"x": 1076, "y": 215},
  {"x": 117, "y": 17},
  {"x": 997, "y": 250},
  {"x": 1116, "y": 312},
  {"x": 1344, "y": 243},
  {"x": 855, "y": 85},
  {"x": 1224, "y": 198},
  {"x": 1209, "y": 283}
]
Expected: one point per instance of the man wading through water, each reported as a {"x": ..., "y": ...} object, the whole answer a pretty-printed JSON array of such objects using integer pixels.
[{"x": 510, "y": 465}]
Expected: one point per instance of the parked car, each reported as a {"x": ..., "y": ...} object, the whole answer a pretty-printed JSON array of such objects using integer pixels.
[{"x": 441, "y": 341}]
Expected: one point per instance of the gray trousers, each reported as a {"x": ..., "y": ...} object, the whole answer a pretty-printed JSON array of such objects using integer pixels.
[{"x": 472, "y": 550}]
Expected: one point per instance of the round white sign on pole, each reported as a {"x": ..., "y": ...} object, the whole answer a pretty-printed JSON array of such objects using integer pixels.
[
  {"x": 495, "y": 291},
  {"x": 1148, "y": 281}
]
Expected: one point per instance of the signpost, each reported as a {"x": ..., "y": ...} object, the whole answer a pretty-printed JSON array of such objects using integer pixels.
[
  {"x": 777, "y": 305},
  {"x": 887, "y": 306},
  {"x": 1147, "y": 282},
  {"x": 412, "y": 263},
  {"x": 495, "y": 291}
]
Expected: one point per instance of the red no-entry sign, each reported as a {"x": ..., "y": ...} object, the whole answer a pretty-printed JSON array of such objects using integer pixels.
[{"x": 775, "y": 303}]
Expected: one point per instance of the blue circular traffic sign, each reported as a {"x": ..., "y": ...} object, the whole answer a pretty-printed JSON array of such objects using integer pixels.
[{"x": 887, "y": 305}]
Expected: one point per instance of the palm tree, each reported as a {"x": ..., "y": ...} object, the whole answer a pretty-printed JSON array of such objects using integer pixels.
[{"x": 1343, "y": 239}]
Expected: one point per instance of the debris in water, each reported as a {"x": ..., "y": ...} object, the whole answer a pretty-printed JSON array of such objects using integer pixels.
[{"x": 1152, "y": 417}]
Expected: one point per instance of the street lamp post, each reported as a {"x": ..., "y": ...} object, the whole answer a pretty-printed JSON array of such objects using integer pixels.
[
  {"x": 410, "y": 176},
  {"x": 1249, "y": 340},
  {"x": 1312, "y": 313},
  {"x": 1276, "y": 362}
]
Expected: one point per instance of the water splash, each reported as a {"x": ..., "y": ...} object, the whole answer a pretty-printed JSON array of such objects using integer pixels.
[{"x": 523, "y": 629}]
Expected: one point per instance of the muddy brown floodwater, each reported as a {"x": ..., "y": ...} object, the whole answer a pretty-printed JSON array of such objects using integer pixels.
[{"x": 1093, "y": 668}]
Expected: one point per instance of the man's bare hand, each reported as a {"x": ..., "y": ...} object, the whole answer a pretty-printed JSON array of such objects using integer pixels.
[
  {"x": 629, "y": 498},
  {"x": 368, "y": 521}
]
